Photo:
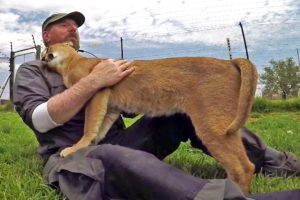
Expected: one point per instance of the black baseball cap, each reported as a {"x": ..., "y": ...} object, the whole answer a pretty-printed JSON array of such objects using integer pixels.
[{"x": 78, "y": 17}]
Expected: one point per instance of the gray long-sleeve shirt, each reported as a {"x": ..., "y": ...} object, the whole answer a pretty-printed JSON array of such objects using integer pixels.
[{"x": 35, "y": 84}]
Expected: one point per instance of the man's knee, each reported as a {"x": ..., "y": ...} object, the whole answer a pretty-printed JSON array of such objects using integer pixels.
[
  {"x": 255, "y": 148},
  {"x": 160, "y": 136}
]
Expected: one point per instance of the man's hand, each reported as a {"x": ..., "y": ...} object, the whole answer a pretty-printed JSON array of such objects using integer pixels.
[
  {"x": 109, "y": 72},
  {"x": 62, "y": 107}
]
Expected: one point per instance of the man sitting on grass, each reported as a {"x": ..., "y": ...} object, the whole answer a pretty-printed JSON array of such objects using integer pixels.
[{"x": 126, "y": 164}]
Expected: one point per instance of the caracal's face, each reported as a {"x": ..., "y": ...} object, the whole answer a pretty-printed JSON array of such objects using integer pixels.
[{"x": 57, "y": 54}]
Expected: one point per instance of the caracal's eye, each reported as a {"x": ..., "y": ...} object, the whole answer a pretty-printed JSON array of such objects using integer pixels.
[{"x": 50, "y": 56}]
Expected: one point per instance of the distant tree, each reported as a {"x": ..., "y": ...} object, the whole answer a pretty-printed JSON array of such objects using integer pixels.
[{"x": 280, "y": 78}]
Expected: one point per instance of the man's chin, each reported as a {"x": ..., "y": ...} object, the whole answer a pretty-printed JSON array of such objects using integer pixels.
[{"x": 76, "y": 44}]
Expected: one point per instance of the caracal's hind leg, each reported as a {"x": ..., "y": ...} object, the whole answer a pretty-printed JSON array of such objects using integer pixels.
[
  {"x": 233, "y": 156},
  {"x": 248, "y": 166},
  {"x": 225, "y": 148},
  {"x": 95, "y": 112},
  {"x": 108, "y": 121}
]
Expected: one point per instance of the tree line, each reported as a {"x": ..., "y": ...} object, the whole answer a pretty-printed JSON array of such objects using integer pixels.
[{"x": 281, "y": 78}]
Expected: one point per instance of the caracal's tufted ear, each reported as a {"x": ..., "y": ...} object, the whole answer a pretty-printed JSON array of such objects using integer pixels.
[
  {"x": 69, "y": 43},
  {"x": 43, "y": 54}
]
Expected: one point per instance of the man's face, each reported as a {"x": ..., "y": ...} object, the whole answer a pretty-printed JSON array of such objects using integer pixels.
[{"x": 64, "y": 30}]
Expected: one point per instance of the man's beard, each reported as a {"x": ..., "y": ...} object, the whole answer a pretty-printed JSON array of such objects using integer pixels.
[{"x": 76, "y": 43}]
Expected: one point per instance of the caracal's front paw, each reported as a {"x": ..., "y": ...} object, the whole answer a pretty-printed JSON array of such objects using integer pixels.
[{"x": 67, "y": 151}]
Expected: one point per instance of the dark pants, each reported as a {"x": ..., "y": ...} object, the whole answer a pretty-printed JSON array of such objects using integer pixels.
[
  {"x": 114, "y": 172},
  {"x": 161, "y": 136}
]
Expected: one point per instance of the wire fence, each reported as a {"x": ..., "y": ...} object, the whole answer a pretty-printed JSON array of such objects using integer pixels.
[
  {"x": 4, "y": 75},
  {"x": 265, "y": 41},
  {"x": 9, "y": 66}
]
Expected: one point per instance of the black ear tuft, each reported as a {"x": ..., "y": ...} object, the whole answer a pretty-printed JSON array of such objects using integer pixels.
[{"x": 69, "y": 43}]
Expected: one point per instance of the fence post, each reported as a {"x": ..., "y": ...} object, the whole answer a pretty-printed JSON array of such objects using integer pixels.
[
  {"x": 229, "y": 48},
  {"x": 245, "y": 43},
  {"x": 122, "y": 56},
  {"x": 38, "y": 52},
  {"x": 12, "y": 74},
  {"x": 298, "y": 57},
  {"x": 12, "y": 64}
]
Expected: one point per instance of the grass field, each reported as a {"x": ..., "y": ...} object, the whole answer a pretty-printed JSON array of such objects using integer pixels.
[{"x": 20, "y": 166}]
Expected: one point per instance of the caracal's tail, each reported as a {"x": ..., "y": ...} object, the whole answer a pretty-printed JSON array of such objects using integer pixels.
[{"x": 247, "y": 93}]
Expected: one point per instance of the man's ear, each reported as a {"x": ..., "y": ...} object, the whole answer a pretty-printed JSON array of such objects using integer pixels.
[{"x": 46, "y": 38}]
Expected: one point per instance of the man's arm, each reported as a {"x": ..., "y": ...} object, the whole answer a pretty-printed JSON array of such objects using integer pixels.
[{"x": 64, "y": 106}]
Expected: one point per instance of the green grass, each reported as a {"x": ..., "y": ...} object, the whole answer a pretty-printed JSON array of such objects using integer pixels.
[
  {"x": 20, "y": 166},
  {"x": 279, "y": 105}
]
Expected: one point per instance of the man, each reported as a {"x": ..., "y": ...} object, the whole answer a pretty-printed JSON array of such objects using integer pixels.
[{"x": 125, "y": 164}]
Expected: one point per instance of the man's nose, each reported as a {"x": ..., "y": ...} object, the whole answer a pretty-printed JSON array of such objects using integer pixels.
[{"x": 73, "y": 27}]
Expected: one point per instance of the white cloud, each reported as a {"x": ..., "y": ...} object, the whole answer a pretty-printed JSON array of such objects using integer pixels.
[
  {"x": 4, "y": 65},
  {"x": 157, "y": 17},
  {"x": 207, "y": 22}
]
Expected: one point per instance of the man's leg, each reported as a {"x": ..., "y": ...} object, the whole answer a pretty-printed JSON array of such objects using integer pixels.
[
  {"x": 162, "y": 135},
  {"x": 134, "y": 174},
  {"x": 268, "y": 160},
  {"x": 283, "y": 195},
  {"x": 115, "y": 172}
]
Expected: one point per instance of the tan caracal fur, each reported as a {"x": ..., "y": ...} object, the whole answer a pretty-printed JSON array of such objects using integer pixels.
[{"x": 216, "y": 94}]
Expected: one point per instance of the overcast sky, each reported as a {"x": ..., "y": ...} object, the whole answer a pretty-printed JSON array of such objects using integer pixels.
[
  {"x": 162, "y": 28},
  {"x": 158, "y": 22}
]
